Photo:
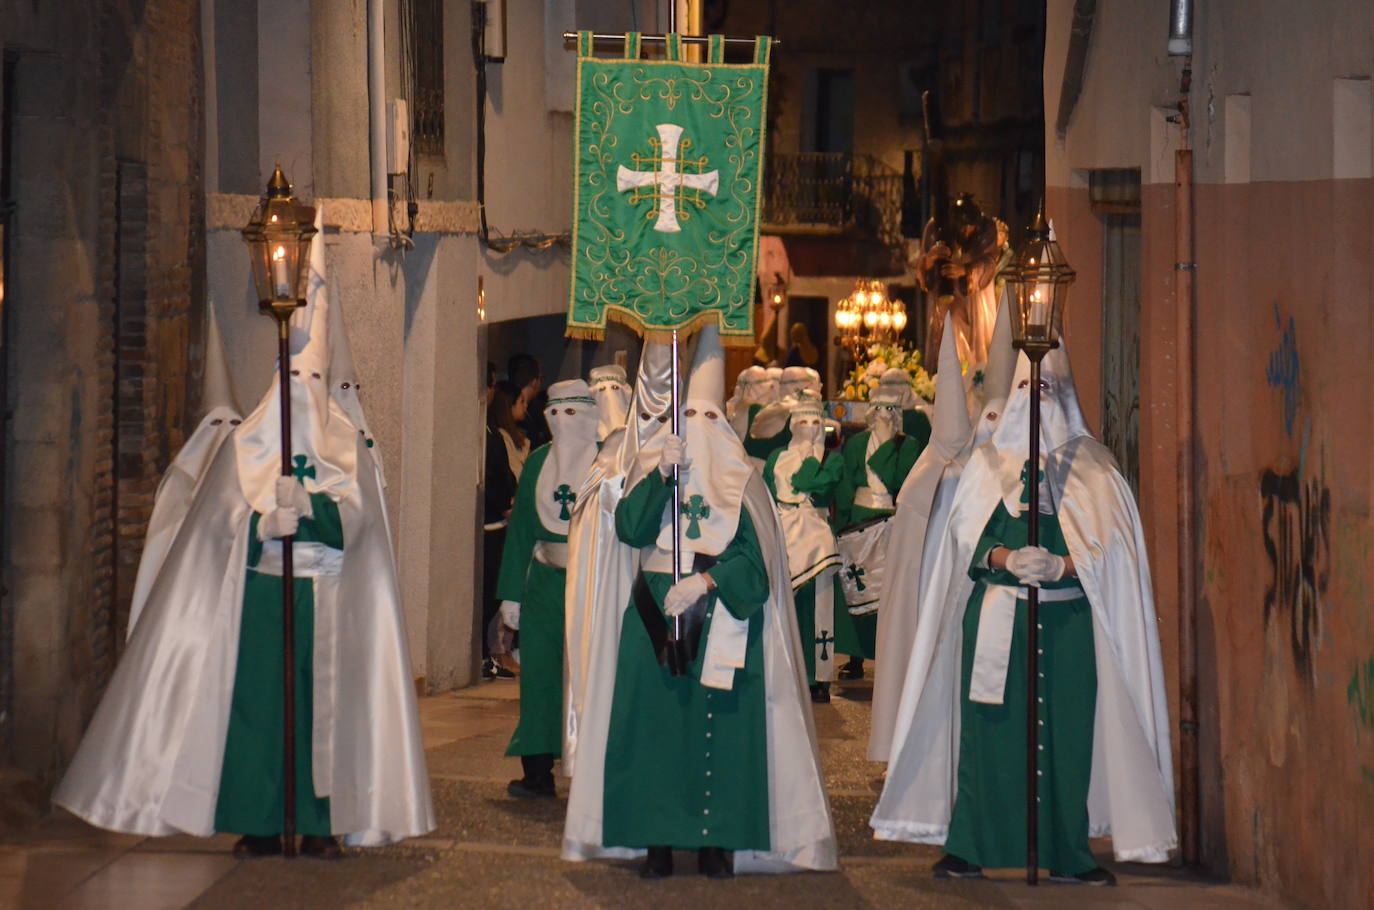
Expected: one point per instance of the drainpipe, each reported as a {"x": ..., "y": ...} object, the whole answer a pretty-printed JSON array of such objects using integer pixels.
[
  {"x": 376, "y": 111},
  {"x": 1185, "y": 269}
]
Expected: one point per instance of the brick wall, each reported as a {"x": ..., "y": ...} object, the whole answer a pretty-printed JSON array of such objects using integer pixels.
[{"x": 105, "y": 337}]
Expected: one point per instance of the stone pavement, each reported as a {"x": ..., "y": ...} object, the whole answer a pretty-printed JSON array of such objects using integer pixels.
[{"x": 493, "y": 851}]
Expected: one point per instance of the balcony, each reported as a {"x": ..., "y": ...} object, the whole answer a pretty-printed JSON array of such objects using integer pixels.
[{"x": 853, "y": 197}]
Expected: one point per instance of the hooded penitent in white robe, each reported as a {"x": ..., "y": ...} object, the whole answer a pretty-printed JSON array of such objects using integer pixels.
[
  {"x": 753, "y": 387},
  {"x": 802, "y": 487},
  {"x": 612, "y": 392},
  {"x": 1130, "y": 794},
  {"x": 801, "y": 834},
  {"x": 922, "y": 510},
  {"x": 151, "y": 759},
  {"x": 600, "y": 568}
]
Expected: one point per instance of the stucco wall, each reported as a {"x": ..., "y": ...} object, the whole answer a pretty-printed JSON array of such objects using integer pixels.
[{"x": 1284, "y": 296}]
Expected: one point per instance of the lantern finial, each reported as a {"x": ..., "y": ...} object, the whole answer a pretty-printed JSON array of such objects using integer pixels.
[
  {"x": 1039, "y": 225},
  {"x": 278, "y": 187}
]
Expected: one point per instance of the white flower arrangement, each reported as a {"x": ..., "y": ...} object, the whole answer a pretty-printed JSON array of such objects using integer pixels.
[{"x": 882, "y": 357}]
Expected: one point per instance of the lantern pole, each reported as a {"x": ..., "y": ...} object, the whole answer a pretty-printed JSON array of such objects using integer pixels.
[
  {"x": 280, "y": 222},
  {"x": 1041, "y": 278}
]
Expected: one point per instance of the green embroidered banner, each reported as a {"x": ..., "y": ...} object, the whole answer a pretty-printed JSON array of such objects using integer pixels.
[{"x": 668, "y": 172}]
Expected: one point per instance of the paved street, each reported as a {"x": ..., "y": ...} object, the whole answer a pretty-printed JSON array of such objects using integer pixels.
[{"x": 493, "y": 851}]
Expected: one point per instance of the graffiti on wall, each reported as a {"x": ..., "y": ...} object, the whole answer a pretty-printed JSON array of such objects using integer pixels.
[
  {"x": 1297, "y": 543},
  {"x": 1283, "y": 368}
]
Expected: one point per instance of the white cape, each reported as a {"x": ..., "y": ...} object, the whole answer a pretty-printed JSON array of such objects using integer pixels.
[
  {"x": 175, "y": 493},
  {"x": 801, "y": 832},
  {"x": 150, "y": 761},
  {"x": 1131, "y": 794}
]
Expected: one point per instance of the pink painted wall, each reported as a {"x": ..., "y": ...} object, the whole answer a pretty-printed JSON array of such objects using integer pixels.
[{"x": 1285, "y": 368}]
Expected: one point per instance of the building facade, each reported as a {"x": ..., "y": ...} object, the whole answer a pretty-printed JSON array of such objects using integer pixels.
[{"x": 1234, "y": 281}]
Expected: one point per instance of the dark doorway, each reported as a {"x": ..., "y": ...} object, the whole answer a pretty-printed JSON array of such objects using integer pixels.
[
  {"x": 1115, "y": 196},
  {"x": 814, "y": 314}
]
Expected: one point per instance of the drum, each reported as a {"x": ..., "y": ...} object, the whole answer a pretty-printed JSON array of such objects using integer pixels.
[{"x": 862, "y": 549}]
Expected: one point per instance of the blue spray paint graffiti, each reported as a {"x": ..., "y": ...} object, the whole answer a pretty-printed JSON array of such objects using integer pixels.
[{"x": 1282, "y": 372}]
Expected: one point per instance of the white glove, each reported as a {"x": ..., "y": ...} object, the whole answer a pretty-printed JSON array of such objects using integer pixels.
[
  {"x": 682, "y": 595},
  {"x": 1035, "y": 565},
  {"x": 281, "y": 522},
  {"x": 291, "y": 495},
  {"x": 510, "y": 615},
  {"x": 674, "y": 453}
]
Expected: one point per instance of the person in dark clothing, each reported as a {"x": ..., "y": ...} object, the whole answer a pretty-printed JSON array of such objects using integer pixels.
[
  {"x": 524, "y": 372},
  {"x": 498, "y": 495}
]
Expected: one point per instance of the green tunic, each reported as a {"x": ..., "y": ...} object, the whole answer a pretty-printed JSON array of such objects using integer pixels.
[
  {"x": 891, "y": 462},
  {"x": 916, "y": 425},
  {"x": 762, "y": 448},
  {"x": 988, "y": 827},
  {"x": 687, "y": 765},
  {"x": 819, "y": 481},
  {"x": 539, "y": 589},
  {"x": 252, "y": 781}
]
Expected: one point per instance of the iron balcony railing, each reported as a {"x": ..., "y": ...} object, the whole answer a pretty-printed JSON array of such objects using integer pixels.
[{"x": 833, "y": 193}]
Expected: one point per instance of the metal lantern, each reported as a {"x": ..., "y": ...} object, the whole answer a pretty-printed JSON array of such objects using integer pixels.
[
  {"x": 1039, "y": 282},
  {"x": 278, "y": 238}
]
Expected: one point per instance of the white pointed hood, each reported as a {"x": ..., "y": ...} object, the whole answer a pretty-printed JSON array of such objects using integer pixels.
[
  {"x": 950, "y": 427},
  {"x": 713, "y": 490},
  {"x": 753, "y": 386},
  {"x": 323, "y": 439},
  {"x": 612, "y": 392},
  {"x": 1001, "y": 362},
  {"x": 1061, "y": 421},
  {"x": 218, "y": 390},
  {"x": 650, "y": 412},
  {"x": 897, "y": 381},
  {"x": 794, "y": 380},
  {"x": 572, "y": 416}
]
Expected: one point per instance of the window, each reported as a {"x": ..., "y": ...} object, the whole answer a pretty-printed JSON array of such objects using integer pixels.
[{"x": 422, "y": 33}]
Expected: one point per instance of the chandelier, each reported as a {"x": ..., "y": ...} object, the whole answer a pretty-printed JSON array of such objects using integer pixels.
[{"x": 868, "y": 316}]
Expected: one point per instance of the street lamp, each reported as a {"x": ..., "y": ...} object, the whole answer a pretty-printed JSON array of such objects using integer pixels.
[
  {"x": 278, "y": 237},
  {"x": 1039, "y": 281}
]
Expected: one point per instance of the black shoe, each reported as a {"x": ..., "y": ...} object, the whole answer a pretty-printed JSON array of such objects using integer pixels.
[
  {"x": 852, "y": 670},
  {"x": 1099, "y": 877},
  {"x": 713, "y": 862},
  {"x": 536, "y": 788},
  {"x": 502, "y": 673},
  {"x": 489, "y": 669},
  {"x": 251, "y": 846},
  {"x": 951, "y": 866},
  {"x": 321, "y": 847},
  {"x": 820, "y": 693},
  {"x": 658, "y": 864}
]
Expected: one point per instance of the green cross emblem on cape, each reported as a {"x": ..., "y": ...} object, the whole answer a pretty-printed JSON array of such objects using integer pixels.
[
  {"x": 565, "y": 497},
  {"x": 1025, "y": 478},
  {"x": 855, "y": 572},
  {"x": 695, "y": 509},
  {"x": 668, "y": 176},
  {"x": 824, "y": 640},
  {"x": 300, "y": 471}
]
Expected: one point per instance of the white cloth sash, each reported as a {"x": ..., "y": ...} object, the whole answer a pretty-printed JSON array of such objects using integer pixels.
[
  {"x": 551, "y": 553},
  {"x": 871, "y": 498},
  {"x": 992, "y": 653},
  {"x": 311, "y": 559}
]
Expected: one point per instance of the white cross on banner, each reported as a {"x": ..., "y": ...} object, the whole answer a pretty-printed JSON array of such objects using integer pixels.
[{"x": 667, "y": 180}]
